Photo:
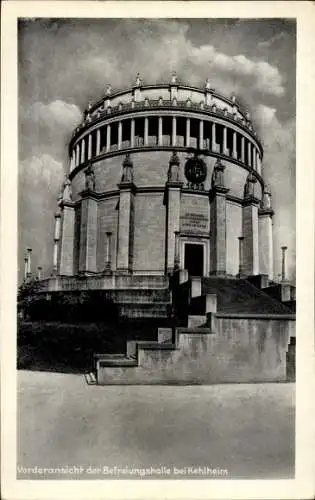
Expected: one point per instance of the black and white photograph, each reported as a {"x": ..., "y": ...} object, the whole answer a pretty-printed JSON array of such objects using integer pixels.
[{"x": 156, "y": 265}]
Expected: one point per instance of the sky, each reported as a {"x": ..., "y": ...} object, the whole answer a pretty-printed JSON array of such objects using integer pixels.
[{"x": 66, "y": 63}]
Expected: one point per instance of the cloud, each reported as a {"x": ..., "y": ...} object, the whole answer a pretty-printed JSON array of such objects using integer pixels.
[
  {"x": 276, "y": 38},
  {"x": 45, "y": 128}
]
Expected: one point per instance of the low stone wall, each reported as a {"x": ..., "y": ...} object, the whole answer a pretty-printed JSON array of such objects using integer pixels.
[{"x": 236, "y": 349}]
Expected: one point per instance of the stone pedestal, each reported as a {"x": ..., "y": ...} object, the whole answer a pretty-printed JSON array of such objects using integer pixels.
[
  {"x": 88, "y": 233},
  {"x": 66, "y": 265}
]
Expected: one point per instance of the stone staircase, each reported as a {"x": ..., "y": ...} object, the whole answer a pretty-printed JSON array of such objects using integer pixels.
[{"x": 224, "y": 330}]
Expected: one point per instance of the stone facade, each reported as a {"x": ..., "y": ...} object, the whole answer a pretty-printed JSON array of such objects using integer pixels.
[{"x": 130, "y": 207}]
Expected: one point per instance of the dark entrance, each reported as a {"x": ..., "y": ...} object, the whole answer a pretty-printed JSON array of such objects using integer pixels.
[{"x": 194, "y": 259}]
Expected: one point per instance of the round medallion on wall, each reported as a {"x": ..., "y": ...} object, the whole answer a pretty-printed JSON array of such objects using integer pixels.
[{"x": 195, "y": 170}]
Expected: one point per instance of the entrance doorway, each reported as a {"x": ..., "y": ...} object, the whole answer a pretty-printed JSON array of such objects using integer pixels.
[{"x": 194, "y": 259}]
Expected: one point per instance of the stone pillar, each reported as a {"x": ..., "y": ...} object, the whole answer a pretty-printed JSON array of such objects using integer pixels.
[
  {"x": 77, "y": 160},
  {"x": 187, "y": 132},
  {"x": 265, "y": 242},
  {"x": 243, "y": 149},
  {"x": 177, "y": 256},
  {"x": 160, "y": 133},
  {"x": 72, "y": 161},
  {"x": 25, "y": 267},
  {"x": 56, "y": 241},
  {"x": 39, "y": 272},
  {"x": 108, "y": 138},
  {"x": 201, "y": 134},
  {"x": 283, "y": 267},
  {"x": 258, "y": 163},
  {"x": 235, "y": 145},
  {"x": 217, "y": 198},
  {"x": 132, "y": 133},
  {"x": 240, "y": 256},
  {"x": 214, "y": 138},
  {"x": 90, "y": 146},
  {"x": 83, "y": 151},
  {"x": 98, "y": 141},
  {"x": 146, "y": 131},
  {"x": 225, "y": 150},
  {"x": 249, "y": 146},
  {"x": 126, "y": 219},
  {"x": 108, "y": 262},
  {"x": 28, "y": 263},
  {"x": 88, "y": 232},
  {"x": 66, "y": 263},
  {"x": 250, "y": 228},
  {"x": 254, "y": 157},
  {"x": 119, "y": 134},
  {"x": 174, "y": 131}
]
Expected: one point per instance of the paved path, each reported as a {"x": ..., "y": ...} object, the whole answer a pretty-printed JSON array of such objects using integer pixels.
[{"x": 247, "y": 429}]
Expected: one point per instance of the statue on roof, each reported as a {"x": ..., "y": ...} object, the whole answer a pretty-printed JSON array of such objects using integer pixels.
[
  {"x": 249, "y": 188},
  {"x": 127, "y": 175},
  {"x": 173, "y": 169},
  {"x": 67, "y": 190},
  {"x": 218, "y": 174},
  {"x": 109, "y": 89},
  {"x": 89, "y": 178},
  {"x": 174, "y": 77},
  {"x": 207, "y": 84},
  {"x": 138, "y": 80}
]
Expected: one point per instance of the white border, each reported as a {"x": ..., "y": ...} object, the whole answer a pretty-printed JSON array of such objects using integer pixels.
[{"x": 303, "y": 485}]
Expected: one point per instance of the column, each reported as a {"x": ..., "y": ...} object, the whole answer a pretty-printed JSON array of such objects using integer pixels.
[
  {"x": 225, "y": 151},
  {"x": 177, "y": 256},
  {"x": 98, "y": 141},
  {"x": 125, "y": 227},
  {"x": 240, "y": 256},
  {"x": 132, "y": 133},
  {"x": 119, "y": 134},
  {"x": 29, "y": 262},
  {"x": 39, "y": 272},
  {"x": 83, "y": 151},
  {"x": 90, "y": 146},
  {"x": 254, "y": 157},
  {"x": 160, "y": 134},
  {"x": 108, "y": 138},
  {"x": 108, "y": 262},
  {"x": 66, "y": 259},
  {"x": 249, "y": 154},
  {"x": 243, "y": 149},
  {"x": 187, "y": 132},
  {"x": 265, "y": 242},
  {"x": 25, "y": 267},
  {"x": 258, "y": 163},
  {"x": 146, "y": 131},
  {"x": 88, "y": 234},
  {"x": 283, "y": 268},
  {"x": 214, "y": 138},
  {"x": 77, "y": 160},
  {"x": 201, "y": 134},
  {"x": 174, "y": 131},
  {"x": 234, "y": 145},
  {"x": 56, "y": 241}
]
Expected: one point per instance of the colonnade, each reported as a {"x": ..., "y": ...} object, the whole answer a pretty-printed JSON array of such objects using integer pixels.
[{"x": 167, "y": 131}]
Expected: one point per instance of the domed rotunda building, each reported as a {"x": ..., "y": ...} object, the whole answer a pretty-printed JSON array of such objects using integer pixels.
[{"x": 162, "y": 177}]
